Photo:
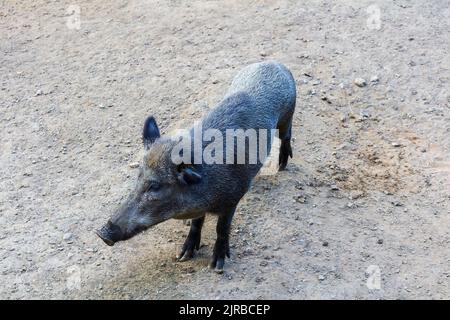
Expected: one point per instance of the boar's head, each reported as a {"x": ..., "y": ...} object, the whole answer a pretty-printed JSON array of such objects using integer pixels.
[{"x": 163, "y": 190}]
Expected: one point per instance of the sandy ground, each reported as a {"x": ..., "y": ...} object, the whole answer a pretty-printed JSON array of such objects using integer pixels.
[{"x": 365, "y": 198}]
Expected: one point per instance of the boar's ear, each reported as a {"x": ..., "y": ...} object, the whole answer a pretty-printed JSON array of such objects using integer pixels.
[
  {"x": 150, "y": 132},
  {"x": 188, "y": 175}
]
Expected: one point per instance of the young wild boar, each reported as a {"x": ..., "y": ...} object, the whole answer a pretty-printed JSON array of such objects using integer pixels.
[{"x": 261, "y": 96}]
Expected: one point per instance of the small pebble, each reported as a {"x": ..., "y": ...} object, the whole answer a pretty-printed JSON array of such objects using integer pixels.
[
  {"x": 67, "y": 236},
  {"x": 300, "y": 199},
  {"x": 360, "y": 82},
  {"x": 351, "y": 205},
  {"x": 364, "y": 114},
  {"x": 134, "y": 165},
  {"x": 374, "y": 79}
]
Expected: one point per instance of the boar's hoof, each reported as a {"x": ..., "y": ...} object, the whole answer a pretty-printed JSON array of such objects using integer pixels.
[
  {"x": 185, "y": 255},
  {"x": 191, "y": 244},
  {"x": 217, "y": 264},
  {"x": 221, "y": 250}
]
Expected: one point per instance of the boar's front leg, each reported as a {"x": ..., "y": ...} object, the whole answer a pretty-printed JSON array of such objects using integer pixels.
[
  {"x": 193, "y": 240},
  {"x": 222, "y": 246}
]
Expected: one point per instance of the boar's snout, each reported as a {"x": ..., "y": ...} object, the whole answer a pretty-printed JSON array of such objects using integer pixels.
[{"x": 110, "y": 233}]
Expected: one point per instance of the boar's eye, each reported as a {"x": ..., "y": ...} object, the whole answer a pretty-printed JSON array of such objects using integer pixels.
[{"x": 153, "y": 186}]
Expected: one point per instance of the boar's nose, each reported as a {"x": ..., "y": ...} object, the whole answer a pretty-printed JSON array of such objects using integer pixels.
[{"x": 110, "y": 233}]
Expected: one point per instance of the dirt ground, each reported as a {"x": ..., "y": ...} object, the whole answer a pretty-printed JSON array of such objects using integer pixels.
[{"x": 365, "y": 198}]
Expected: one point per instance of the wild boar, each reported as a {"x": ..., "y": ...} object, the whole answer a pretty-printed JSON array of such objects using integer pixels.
[{"x": 261, "y": 97}]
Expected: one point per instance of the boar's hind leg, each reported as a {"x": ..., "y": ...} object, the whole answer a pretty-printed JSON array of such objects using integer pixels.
[
  {"x": 222, "y": 246},
  {"x": 285, "y": 132},
  {"x": 192, "y": 242}
]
